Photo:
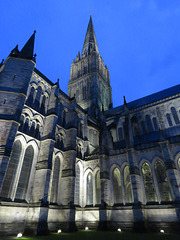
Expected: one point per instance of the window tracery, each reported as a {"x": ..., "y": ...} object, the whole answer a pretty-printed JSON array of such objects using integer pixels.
[{"x": 148, "y": 183}]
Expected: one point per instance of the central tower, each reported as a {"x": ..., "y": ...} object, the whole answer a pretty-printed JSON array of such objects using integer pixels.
[{"x": 89, "y": 77}]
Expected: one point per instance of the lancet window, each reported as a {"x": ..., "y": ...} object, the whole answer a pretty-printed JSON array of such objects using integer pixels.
[
  {"x": 77, "y": 186},
  {"x": 98, "y": 188},
  {"x": 25, "y": 173},
  {"x": 127, "y": 185},
  {"x": 117, "y": 187},
  {"x": 175, "y": 116},
  {"x": 179, "y": 163},
  {"x": 149, "y": 123},
  {"x": 155, "y": 123},
  {"x": 148, "y": 183},
  {"x": 162, "y": 181},
  {"x": 11, "y": 170},
  {"x": 168, "y": 116},
  {"x": 89, "y": 193}
]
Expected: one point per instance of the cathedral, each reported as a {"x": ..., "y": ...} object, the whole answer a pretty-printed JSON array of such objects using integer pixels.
[{"x": 70, "y": 162}]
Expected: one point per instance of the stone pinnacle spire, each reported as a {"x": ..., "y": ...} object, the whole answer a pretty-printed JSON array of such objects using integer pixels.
[
  {"x": 28, "y": 49},
  {"x": 90, "y": 43}
]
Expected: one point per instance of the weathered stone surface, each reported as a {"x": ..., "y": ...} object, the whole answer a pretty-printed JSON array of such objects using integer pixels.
[{"x": 79, "y": 162}]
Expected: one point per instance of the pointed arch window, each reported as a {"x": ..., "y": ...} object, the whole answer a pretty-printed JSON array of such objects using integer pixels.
[
  {"x": 148, "y": 183},
  {"x": 37, "y": 132},
  {"x": 42, "y": 109},
  {"x": 120, "y": 133},
  {"x": 55, "y": 181},
  {"x": 134, "y": 123},
  {"x": 143, "y": 127},
  {"x": 26, "y": 126},
  {"x": 60, "y": 112},
  {"x": 21, "y": 123},
  {"x": 169, "y": 119},
  {"x": 98, "y": 188},
  {"x": 25, "y": 173},
  {"x": 149, "y": 123},
  {"x": 179, "y": 163},
  {"x": 89, "y": 193},
  {"x": 77, "y": 186},
  {"x": 30, "y": 97},
  {"x": 38, "y": 97},
  {"x": 32, "y": 129},
  {"x": 174, "y": 114},
  {"x": 64, "y": 119},
  {"x": 11, "y": 170},
  {"x": 127, "y": 185},
  {"x": 155, "y": 123},
  {"x": 117, "y": 187},
  {"x": 84, "y": 92},
  {"x": 162, "y": 181}
]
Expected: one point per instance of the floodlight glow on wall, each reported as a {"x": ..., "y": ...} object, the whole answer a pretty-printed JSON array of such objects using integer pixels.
[
  {"x": 19, "y": 235},
  {"x": 161, "y": 231},
  {"x": 86, "y": 228},
  {"x": 59, "y": 231},
  {"x": 119, "y": 230}
]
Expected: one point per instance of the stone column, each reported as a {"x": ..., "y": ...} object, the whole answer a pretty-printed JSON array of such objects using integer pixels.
[
  {"x": 135, "y": 177},
  {"x": 68, "y": 177},
  {"x": 105, "y": 194},
  {"x": 138, "y": 213}
]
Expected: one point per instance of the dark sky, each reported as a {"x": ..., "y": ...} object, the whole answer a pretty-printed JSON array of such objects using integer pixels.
[{"x": 139, "y": 40}]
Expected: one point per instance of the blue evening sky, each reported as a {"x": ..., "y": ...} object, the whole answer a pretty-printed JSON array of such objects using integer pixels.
[{"x": 139, "y": 40}]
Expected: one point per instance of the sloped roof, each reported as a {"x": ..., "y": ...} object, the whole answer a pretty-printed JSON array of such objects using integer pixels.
[{"x": 146, "y": 100}]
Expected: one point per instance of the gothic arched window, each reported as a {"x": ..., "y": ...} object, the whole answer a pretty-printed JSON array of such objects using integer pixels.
[
  {"x": 84, "y": 92},
  {"x": 120, "y": 133},
  {"x": 37, "y": 133},
  {"x": 127, "y": 185},
  {"x": 64, "y": 119},
  {"x": 55, "y": 181},
  {"x": 98, "y": 188},
  {"x": 148, "y": 183},
  {"x": 11, "y": 170},
  {"x": 77, "y": 186},
  {"x": 149, "y": 123},
  {"x": 89, "y": 193},
  {"x": 179, "y": 163},
  {"x": 26, "y": 126},
  {"x": 143, "y": 127},
  {"x": 79, "y": 150},
  {"x": 38, "y": 97},
  {"x": 169, "y": 119},
  {"x": 25, "y": 173},
  {"x": 155, "y": 123},
  {"x": 60, "y": 111},
  {"x": 32, "y": 129},
  {"x": 134, "y": 123},
  {"x": 30, "y": 97},
  {"x": 162, "y": 181},
  {"x": 174, "y": 114},
  {"x": 21, "y": 123},
  {"x": 117, "y": 188},
  {"x": 42, "y": 109}
]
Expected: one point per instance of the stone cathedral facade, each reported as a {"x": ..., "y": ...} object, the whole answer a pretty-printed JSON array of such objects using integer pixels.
[{"x": 70, "y": 161}]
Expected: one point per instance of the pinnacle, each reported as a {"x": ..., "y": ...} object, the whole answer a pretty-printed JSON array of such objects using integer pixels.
[
  {"x": 28, "y": 49},
  {"x": 90, "y": 43}
]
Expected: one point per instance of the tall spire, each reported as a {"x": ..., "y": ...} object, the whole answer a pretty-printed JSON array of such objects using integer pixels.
[
  {"x": 28, "y": 49},
  {"x": 90, "y": 42}
]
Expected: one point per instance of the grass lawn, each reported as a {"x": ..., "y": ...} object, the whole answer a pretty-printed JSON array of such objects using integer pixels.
[{"x": 94, "y": 235}]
